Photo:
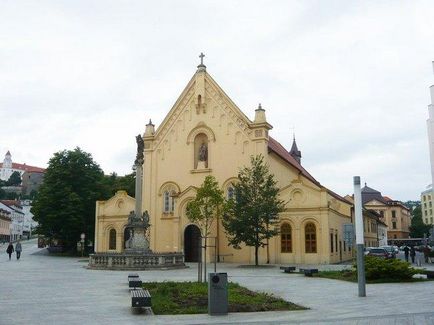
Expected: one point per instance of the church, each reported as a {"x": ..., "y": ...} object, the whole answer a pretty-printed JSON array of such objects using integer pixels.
[{"x": 205, "y": 133}]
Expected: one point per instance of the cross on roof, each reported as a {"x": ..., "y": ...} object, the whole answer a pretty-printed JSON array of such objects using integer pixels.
[{"x": 201, "y": 66}]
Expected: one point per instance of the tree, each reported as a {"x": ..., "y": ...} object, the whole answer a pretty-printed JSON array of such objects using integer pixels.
[
  {"x": 418, "y": 228},
  {"x": 65, "y": 204},
  {"x": 251, "y": 217},
  {"x": 114, "y": 183},
  {"x": 207, "y": 206},
  {"x": 14, "y": 179}
]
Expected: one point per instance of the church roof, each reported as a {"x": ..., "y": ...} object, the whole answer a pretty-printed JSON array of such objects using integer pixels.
[
  {"x": 278, "y": 149},
  {"x": 369, "y": 194}
]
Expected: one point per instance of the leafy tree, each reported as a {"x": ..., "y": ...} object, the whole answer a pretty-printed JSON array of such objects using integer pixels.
[
  {"x": 418, "y": 228},
  {"x": 14, "y": 179},
  {"x": 252, "y": 217},
  {"x": 114, "y": 183},
  {"x": 207, "y": 205},
  {"x": 65, "y": 204}
]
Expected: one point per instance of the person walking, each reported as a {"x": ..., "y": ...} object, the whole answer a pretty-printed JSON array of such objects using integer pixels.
[
  {"x": 10, "y": 250},
  {"x": 18, "y": 249},
  {"x": 412, "y": 254},
  {"x": 406, "y": 252}
]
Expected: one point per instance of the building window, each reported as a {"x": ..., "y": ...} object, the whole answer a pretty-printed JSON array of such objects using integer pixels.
[
  {"x": 424, "y": 198},
  {"x": 331, "y": 243},
  {"x": 426, "y": 220},
  {"x": 382, "y": 213},
  {"x": 430, "y": 212},
  {"x": 424, "y": 205},
  {"x": 393, "y": 214},
  {"x": 426, "y": 212},
  {"x": 431, "y": 219},
  {"x": 166, "y": 198},
  {"x": 429, "y": 197},
  {"x": 394, "y": 236},
  {"x": 336, "y": 242},
  {"x": 394, "y": 224},
  {"x": 345, "y": 246},
  {"x": 285, "y": 238},
  {"x": 230, "y": 192},
  {"x": 310, "y": 238},
  {"x": 112, "y": 239},
  {"x": 430, "y": 204}
]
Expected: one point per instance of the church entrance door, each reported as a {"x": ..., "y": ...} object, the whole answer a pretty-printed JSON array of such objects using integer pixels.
[{"x": 191, "y": 243}]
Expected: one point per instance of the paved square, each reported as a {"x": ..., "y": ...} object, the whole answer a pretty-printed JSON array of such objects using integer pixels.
[{"x": 41, "y": 289}]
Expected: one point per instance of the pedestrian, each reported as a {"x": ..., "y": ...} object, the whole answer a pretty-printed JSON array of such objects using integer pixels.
[
  {"x": 18, "y": 249},
  {"x": 406, "y": 251},
  {"x": 412, "y": 253},
  {"x": 426, "y": 252},
  {"x": 10, "y": 250}
]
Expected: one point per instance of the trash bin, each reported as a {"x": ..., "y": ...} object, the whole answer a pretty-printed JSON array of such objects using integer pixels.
[{"x": 217, "y": 294}]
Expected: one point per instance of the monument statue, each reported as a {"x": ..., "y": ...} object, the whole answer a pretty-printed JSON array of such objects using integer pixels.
[
  {"x": 203, "y": 152},
  {"x": 140, "y": 148}
]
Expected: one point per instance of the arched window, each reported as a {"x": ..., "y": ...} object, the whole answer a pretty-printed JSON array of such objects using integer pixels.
[
  {"x": 310, "y": 238},
  {"x": 166, "y": 202},
  {"x": 285, "y": 238},
  {"x": 112, "y": 239},
  {"x": 231, "y": 193},
  {"x": 172, "y": 201}
]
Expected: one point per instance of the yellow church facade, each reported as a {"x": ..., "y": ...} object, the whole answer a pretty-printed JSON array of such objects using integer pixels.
[{"x": 205, "y": 120}]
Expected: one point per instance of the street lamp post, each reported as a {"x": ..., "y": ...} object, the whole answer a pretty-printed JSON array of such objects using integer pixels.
[{"x": 82, "y": 236}]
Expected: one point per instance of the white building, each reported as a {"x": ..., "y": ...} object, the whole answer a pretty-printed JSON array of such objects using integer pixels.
[
  {"x": 8, "y": 167},
  {"x": 17, "y": 216},
  {"x": 427, "y": 217}
]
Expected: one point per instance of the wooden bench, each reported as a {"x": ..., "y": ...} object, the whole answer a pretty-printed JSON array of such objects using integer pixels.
[
  {"x": 134, "y": 282},
  {"x": 288, "y": 269},
  {"x": 140, "y": 298},
  {"x": 309, "y": 272}
]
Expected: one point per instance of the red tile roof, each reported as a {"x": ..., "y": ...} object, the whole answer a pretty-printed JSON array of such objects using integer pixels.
[
  {"x": 11, "y": 202},
  {"x": 278, "y": 149},
  {"x": 26, "y": 168}
]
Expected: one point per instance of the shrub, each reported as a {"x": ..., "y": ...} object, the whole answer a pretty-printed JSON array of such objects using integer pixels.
[{"x": 390, "y": 269}]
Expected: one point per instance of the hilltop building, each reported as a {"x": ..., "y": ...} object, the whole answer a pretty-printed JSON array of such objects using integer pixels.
[
  {"x": 8, "y": 167},
  {"x": 205, "y": 133}
]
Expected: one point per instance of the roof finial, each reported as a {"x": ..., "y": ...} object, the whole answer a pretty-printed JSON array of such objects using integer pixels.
[{"x": 201, "y": 66}]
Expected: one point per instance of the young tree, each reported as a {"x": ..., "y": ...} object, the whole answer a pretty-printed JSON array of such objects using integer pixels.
[
  {"x": 14, "y": 179},
  {"x": 252, "y": 216},
  {"x": 207, "y": 206},
  {"x": 65, "y": 204},
  {"x": 418, "y": 228}
]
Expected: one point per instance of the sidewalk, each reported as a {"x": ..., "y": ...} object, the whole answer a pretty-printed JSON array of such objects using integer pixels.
[{"x": 59, "y": 290}]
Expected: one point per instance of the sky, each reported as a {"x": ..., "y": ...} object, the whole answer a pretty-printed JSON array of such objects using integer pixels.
[{"x": 350, "y": 78}]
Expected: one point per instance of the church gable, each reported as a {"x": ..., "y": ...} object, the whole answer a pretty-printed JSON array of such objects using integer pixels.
[
  {"x": 119, "y": 204},
  {"x": 202, "y": 107}
]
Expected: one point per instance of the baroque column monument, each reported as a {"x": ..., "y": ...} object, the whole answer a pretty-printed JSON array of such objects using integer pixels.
[{"x": 137, "y": 254}]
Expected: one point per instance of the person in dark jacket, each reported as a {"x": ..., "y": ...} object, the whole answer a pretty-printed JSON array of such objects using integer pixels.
[
  {"x": 412, "y": 254},
  {"x": 10, "y": 250},
  {"x": 406, "y": 251},
  {"x": 18, "y": 249},
  {"x": 426, "y": 250}
]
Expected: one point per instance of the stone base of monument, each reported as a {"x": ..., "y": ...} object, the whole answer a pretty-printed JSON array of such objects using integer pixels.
[{"x": 136, "y": 261}]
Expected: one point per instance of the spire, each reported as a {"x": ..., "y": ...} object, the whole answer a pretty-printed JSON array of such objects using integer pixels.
[
  {"x": 150, "y": 129},
  {"x": 260, "y": 115},
  {"x": 8, "y": 153},
  {"x": 201, "y": 66},
  {"x": 295, "y": 153}
]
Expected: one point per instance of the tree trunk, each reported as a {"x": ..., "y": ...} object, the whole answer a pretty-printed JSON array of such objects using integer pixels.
[{"x": 256, "y": 255}]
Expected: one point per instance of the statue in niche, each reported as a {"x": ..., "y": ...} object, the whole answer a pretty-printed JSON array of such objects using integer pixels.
[
  {"x": 140, "y": 148},
  {"x": 129, "y": 241},
  {"x": 203, "y": 152}
]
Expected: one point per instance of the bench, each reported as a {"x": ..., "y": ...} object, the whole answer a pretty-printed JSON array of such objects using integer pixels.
[
  {"x": 132, "y": 276},
  {"x": 140, "y": 298},
  {"x": 429, "y": 274},
  {"x": 134, "y": 282},
  {"x": 288, "y": 269},
  {"x": 309, "y": 272}
]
